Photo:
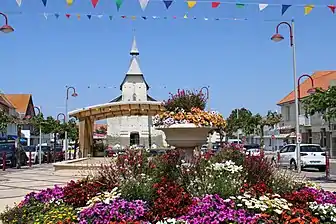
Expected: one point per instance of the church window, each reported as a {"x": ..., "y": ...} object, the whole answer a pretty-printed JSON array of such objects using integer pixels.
[
  {"x": 134, "y": 97},
  {"x": 134, "y": 138}
]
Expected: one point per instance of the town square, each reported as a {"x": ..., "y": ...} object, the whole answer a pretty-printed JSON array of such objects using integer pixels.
[{"x": 162, "y": 112}]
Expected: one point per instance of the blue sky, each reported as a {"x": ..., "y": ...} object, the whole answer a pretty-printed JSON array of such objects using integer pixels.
[{"x": 237, "y": 59}]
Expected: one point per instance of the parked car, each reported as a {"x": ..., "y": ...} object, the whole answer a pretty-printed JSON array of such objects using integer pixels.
[
  {"x": 34, "y": 150},
  {"x": 253, "y": 152},
  {"x": 312, "y": 156},
  {"x": 9, "y": 148},
  {"x": 57, "y": 154}
]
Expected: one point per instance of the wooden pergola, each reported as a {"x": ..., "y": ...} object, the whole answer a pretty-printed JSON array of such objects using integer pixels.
[{"x": 88, "y": 115}]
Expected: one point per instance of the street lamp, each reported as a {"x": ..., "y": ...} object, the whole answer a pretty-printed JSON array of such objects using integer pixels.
[
  {"x": 6, "y": 28},
  {"x": 74, "y": 94},
  {"x": 58, "y": 119},
  {"x": 309, "y": 91},
  {"x": 40, "y": 139},
  {"x": 278, "y": 37},
  {"x": 207, "y": 95}
]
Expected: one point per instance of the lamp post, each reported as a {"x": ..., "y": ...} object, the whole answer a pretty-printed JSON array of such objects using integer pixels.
[
  {"x": 40, "y": 139},
  {"x": 209, "y": 109},
  {"x": 278, "y": 37},
  {"x": 310, "y": 91},
  {"x": 58, "y": 119},
  {"x": 6, "y": 28},
  {"x": 74, "y": 94}
]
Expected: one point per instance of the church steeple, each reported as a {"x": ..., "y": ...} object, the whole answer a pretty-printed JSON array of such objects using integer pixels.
[
  {"x": 134, "y": 49},
  {"x": 134, "y": 67}
]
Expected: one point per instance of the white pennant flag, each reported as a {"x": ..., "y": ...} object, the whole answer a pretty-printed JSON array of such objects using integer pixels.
[
  {"x": 143, "y": 4},
  {"x": 45, "y": 15},
  {"x": 19, "y": 2},
  {"x": 100, "y": 16},
  {"x": 262, "y": 6}
]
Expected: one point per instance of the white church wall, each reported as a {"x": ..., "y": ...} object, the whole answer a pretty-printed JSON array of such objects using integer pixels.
[{"x": 134, "y": 84}]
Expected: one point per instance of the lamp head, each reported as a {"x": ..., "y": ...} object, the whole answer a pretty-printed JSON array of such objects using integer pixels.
[
  {"x": 74, "y": 94},
  {"x": 6, "y": 29},
  {"x": 311, "y": 91},
  {"x": 277, "y": 37}
]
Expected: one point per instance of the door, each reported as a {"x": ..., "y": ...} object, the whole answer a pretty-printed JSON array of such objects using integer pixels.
[{"x": 282, "y": 155}]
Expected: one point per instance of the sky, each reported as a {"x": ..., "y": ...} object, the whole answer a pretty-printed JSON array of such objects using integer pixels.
[{"x": 235, "y": 58}]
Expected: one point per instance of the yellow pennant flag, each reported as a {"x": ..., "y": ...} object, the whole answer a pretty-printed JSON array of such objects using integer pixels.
[
  {"x": 191, "y": 4},
  {"x": 78, "y": 16},
  {"x": 133, "y": 17},
  {"x": 69, "y": 2},
  {"x": 185, "y": 16},
  {"x": 308, "y": 9}
]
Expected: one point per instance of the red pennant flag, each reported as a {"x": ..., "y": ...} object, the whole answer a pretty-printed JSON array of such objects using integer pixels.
[
  {"x": 123, "y": 17},
  {"x": 68, "y": 16},
  {"x": 215, "y": 4},
  {"x": 94, "y": 3},
  {"x": 332, "y": 8}
]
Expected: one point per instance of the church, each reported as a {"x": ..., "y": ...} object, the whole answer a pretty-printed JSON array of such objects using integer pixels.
[{"x": 127, "y": 131}]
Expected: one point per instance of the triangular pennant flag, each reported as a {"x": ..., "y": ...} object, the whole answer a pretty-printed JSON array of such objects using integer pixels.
[
  {"x": 100, "y": 16},
  {"x": 124, "y": 17},
  {"x": 284, "y": 8},
  {"x": 133, "y": 17},
  {"x": 332, "y": 8},
  {"x": 68, "y": 16},
  {"x": 191, "y": 4},
  {"x": 118, "y": 3},
  {"x": 89, "y": 16},
  {"x": 144, "y": 17},
  {"x": 143, "y": 4},
  {"x": 110, "y": 17},
  {"x": 19, "y": 2},
  {"x": 167, "y": 3},
  {"x": 94, "y": 3},
  {"x": 262, "y": 6},
  {"x": 44, "y": 2},
  {"x": 215, "y": 4},
  {"x": 308, "y": 9},
  {"x": 45, "y": 15},
  {"x": 78, "y": 16},
  {"x": 185, "y": 16},
  {"x": 240, "y": 5},
  {"x": 206, "y": 18},
  {"x": 57, "y": 15},
  {"x": 217, "y": 19},
  {"x": 165, "y": 17},
  {"x": 174, "y": 17},
  {"x": 69, "y": 2}
]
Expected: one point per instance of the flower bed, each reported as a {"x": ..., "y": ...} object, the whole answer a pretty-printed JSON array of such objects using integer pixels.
[{"x": 226, "y": 187}]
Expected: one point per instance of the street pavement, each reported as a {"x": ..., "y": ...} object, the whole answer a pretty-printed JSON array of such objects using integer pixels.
[{"x": 15, "y": 184}]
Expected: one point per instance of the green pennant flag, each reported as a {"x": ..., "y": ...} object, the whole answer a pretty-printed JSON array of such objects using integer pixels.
[
  {"x": 240, "y": 5},
  {"x": 119, "y": 3},
  {"x": 110, "y": 17}
]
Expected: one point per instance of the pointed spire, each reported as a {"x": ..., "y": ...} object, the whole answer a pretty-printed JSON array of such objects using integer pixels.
[
  {"x": 134, "y": 68},
  {"x": 134, "y": 49}
]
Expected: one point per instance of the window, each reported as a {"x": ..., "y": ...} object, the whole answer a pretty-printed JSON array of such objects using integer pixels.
[
  {"x": 311, "y": 148},
  {"x": 134, "y": 138},
  {"x": 288, "y": 113},
  {"x": 284, "y": 149},
  {"x": 134, "y": 97},
  {"x": 291, "y": 148},
  {"x": 310, "y": 136}
]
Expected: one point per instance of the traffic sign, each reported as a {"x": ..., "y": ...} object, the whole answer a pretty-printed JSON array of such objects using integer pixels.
[{"x": 299, "y": 138}]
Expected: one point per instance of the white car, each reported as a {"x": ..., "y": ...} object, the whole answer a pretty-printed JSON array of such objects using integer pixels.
[
  {"x": 253, "y": 152},
  {"x": 312, "y": 156},
  {"x": 34, "y": 151}
]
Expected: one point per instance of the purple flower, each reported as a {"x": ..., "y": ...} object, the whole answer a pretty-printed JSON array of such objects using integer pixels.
[
  {"x": 45, "y": 195},
  {"x": 214, "y": 209}
]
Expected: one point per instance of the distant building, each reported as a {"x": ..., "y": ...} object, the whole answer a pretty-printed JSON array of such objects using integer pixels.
[
  {"x": 133, "y": 130},
  {"x": 313, "y": 129},
  {"x": 9, "y": 109}
]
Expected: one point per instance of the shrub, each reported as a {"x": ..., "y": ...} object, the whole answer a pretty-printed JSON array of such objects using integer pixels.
[
  {"x": 171, "y": 200},
  {"x": 167, "y": 166},
  {"x": 186, "y": 100},
  {"x": 78, "y": 193},
  {"x": 258, "y": 170},
  {"x": 283, "y": 182},
  {"x": 231, "y": 152},
  {"x": 138, "y": 189}
]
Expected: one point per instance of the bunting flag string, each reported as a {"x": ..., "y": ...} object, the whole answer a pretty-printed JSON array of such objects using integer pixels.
[{"x": 308, "y": 8}]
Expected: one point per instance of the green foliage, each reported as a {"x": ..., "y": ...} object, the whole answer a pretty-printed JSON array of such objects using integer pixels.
[
  {"x": 323, "y": 102},
  {"x": 241, "y": 119},
  {"x": 138, "y": 189},
  {"x": 5, "y": 119},
  {"x": 186, "y": 100}
]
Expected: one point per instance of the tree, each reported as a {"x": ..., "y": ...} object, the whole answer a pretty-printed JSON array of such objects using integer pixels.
[
  {"x": 241, "y": 119},
  {"x": 101, "y": 130},
  {"x": 5, "y": 119},
  {"x": 271, "y": 119},
  {"x": 323, "y": 102}
]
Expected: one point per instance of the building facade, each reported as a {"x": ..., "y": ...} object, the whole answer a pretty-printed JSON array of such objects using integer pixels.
[
  {"x": 127, "y": 131},
  {"x": 313, "y": 129},
  {"x": 9, "y": 109}
]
